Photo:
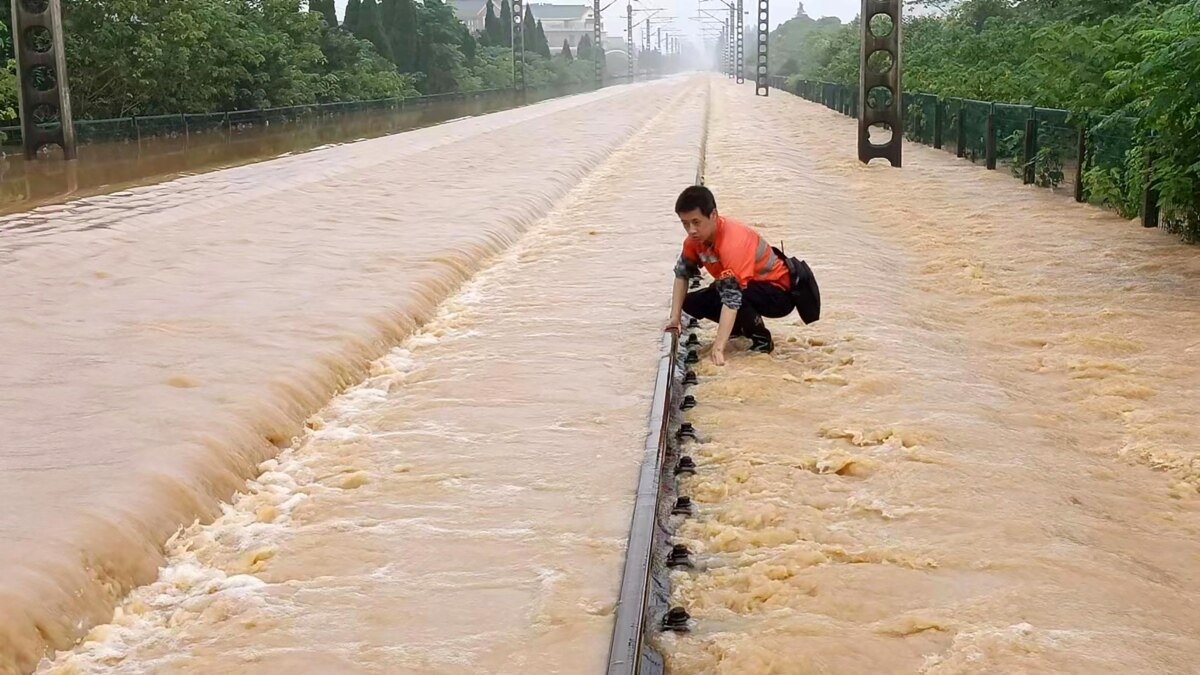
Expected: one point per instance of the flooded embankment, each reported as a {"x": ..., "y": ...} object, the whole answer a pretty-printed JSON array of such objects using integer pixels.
[
  {"x": 119, "y": 154},
  {"x": 465, "y": 509},
  {"x": 160, "y": 344},
  {"x": 983, "y": 458}
]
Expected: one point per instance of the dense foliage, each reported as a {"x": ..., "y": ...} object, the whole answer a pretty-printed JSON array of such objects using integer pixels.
[
  {"x": 1109, "y": 58},
  {"x": 147, "y": 57}
]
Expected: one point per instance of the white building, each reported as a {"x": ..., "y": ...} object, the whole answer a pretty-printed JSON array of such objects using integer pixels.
[
  {"x": 559, "y": 22},
  {"x": 473, "y": 12},
  {"x": 564, "y": 22}
]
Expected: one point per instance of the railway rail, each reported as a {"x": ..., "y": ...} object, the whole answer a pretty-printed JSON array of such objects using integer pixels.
[{"x": 643, "y": 603}]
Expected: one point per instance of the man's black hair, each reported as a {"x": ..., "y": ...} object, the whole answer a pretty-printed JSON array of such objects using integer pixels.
[{"x": 696, "y": 197}]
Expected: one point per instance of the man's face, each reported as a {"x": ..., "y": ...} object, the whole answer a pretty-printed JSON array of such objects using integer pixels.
[{"x": 699, "y": 227}]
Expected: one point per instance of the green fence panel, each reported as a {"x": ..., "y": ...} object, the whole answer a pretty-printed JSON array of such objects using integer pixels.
[
  {"x": 160, "y": 125},
  {"x": 1058, "y": 148},
  {"x": 920, "y": 115},
  {"x": 1115, "y": 162},
  {"x": 205, "y": 123},
  {"x": 975, "y": 115},
  {"x": 94, "y": 131},
  {"x": 1010, "y": 135},
  {"x": 949, "y": 108},
  {"x": 1113, "y": 172}
]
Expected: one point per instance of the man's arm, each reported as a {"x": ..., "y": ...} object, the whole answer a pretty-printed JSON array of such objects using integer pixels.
[
  {"x": 731, "y": 301},
  {"x": 685, "y": 268},
  {"x": 678, "y": 293}
]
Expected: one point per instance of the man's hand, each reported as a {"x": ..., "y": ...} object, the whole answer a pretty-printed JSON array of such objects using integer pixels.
[
  {"x": 718, "y": 355},
  {"x": 673, "y": 326},
  {"x": 724, "y": 329}
]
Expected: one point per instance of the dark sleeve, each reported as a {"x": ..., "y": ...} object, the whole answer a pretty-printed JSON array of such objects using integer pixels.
[
  {"x": 730, "y": 292},
  {"x": 685, "y": 269}
]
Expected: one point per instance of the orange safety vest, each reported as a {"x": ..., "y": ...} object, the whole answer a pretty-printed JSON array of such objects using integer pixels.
[{"x": 738, "y": 252}]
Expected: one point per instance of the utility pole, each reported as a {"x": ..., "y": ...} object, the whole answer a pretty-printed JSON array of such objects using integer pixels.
[
  {"x": 43, "y": 96},
  {"x": 732, "y": 42},
  {"x": 518, "y": 44},
  {"x": 728, "y": 38},
  {"x": 762, "y": 80},
  {"x": 598, "y": 43},
  {"x": 629, "y": 38},
  {"x": 741, "y": 54},
  {"x": 872, "y": 77}
]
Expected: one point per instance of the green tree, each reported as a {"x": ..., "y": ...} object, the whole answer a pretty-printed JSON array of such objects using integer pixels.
[
  {"x": 533, "y": 40},
  {"x": 493, "y": 67},
  {"x": 326, "y": 10},
  {"x": 1160, "y": 89},
  {"x": 492, "y": 26},
  {"x": 353, "y": 10},
  {"x": 543, "y": 44},
  {"x": 8, "y": 83},
  {"x": 1131, "y": 65},
  {"x": 216, "y": 55},
  {"x": 584, "y": 49},
  {"x": 566, "y": 51},
  {"x": 370, "y": 27},
  {"x": 799, "y": 42},
  {"x": 440, "y": 57},
  {"x": 356, "y": 72},
  {"x": 506, "y": 23},
  {"x": 400, "y": 24}
]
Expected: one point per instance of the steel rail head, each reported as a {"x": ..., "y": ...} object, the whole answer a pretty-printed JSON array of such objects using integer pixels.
[{"x": 626, "y": 653}]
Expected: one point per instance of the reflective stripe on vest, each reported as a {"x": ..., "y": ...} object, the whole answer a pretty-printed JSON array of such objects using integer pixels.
[{"x": 764, "y": 259}]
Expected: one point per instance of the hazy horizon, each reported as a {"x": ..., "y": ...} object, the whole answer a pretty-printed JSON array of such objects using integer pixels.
[{"x": 780, "y": 11}]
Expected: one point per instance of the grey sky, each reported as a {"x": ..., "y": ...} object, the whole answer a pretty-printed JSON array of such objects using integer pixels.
[{"x": 781, "y": 10}]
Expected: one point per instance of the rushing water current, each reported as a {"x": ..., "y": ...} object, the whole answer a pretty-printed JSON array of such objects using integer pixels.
[
  {"x": 160, "y": 345},
  {"x": 983, "y": 458},
  {"x": 403, "y": 385}
]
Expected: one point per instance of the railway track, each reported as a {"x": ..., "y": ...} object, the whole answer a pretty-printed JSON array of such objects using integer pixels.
[{"x": 643, "y": 604}]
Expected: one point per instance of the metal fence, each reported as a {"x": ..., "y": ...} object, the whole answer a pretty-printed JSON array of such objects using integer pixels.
[{"x": 1099, "y": 159}]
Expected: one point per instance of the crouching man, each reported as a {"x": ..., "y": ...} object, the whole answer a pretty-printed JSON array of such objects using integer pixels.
[{"x": 751, "y": 280}]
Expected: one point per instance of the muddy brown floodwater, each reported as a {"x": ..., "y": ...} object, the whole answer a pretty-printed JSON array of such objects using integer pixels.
[
  {"x": 983, "y": 459},
  {"x": 464, "y": 509},
  {"x": 162, "y": 148}
]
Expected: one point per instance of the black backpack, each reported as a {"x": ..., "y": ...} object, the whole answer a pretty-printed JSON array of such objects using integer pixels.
[{"x": 805, "y": 292}]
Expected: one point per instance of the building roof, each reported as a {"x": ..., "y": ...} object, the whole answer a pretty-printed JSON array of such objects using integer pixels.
[
  {"x": 466, "y": 10},
  {"x": 552, "y": 12}
]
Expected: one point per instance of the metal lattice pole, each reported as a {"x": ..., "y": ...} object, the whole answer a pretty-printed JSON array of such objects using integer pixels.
[
  {"x": 741, "y": 55},
  {"x": 731, "y": 22},
  {"x": 762, "y": 82},
  {"x": 629, "y": 38},
  {"x": 597, "y": 43},
  {"x": 727, "y": 36},
  {"x": 518, "y": 44},
  {"x": 44, "y": 99},
  {"x": 726, "y": 57}
]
